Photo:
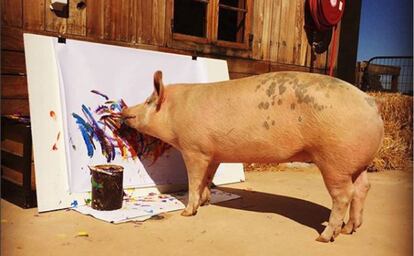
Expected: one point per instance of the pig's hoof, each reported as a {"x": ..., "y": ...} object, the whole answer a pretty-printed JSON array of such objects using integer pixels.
[
  {"x": 188, "y": 213},
  {"x": 324, "y": 239},
  {"x": 348, "y": 229},
  {"x": 206, "y": 202},
  {"x": 329, "y": 234}
]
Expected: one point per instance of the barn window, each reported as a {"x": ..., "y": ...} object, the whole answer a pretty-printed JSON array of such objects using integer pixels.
[
  {"x": 221, "y": 22},
  {"x": 231, "y": 20},
  {"x": 190, "y": 10}
]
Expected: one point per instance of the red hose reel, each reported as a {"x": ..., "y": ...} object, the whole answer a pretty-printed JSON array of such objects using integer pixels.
[{"x": 326, "y": 15}]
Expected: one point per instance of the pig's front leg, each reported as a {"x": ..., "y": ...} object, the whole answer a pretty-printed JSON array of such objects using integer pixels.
[{"x": 197, "y": 169}]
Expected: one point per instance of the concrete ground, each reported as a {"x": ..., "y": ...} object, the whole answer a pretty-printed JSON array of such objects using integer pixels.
[{"x": 280, "y": 214}]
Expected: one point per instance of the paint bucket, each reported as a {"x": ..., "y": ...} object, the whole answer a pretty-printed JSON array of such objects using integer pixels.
[{"x": 107, "y": 190}]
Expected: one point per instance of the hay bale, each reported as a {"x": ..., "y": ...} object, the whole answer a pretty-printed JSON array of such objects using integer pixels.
[
  {"x": 396, "y": 151},
  {"x": 397, "y": 113}
]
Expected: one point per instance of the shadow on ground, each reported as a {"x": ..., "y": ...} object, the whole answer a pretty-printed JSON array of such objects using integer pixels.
[{"x": 299, "y": 210}]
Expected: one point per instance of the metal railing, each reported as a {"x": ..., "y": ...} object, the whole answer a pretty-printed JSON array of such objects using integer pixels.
[{"x": 388, "y": 73}]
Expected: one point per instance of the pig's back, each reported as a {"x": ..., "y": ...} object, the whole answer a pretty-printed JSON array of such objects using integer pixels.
[{"x": 278, "y": 113}]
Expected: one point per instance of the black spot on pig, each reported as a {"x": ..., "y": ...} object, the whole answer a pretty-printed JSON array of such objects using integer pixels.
[
  {"x": 282, "y": 89},
  {"x": 263, "y": 105},
  {"x": 271, "y": 89},
  {"x": 266, "y": 125}
]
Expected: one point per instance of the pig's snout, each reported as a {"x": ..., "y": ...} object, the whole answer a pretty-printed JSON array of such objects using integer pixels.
[{"x": 127, "y": 116}]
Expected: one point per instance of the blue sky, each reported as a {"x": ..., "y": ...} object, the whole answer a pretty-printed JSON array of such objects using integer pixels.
[{"x": 386, "y": 28}]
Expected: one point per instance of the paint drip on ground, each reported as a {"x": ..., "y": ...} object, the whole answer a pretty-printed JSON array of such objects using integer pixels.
[{"x": 104, "y": 126}]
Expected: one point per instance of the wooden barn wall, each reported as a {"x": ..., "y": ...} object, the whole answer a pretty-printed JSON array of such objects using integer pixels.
[{"x": 279, "y": 40}]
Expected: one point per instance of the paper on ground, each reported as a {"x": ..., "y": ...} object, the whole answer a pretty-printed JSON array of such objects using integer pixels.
[{"x": 144, "y": 207}]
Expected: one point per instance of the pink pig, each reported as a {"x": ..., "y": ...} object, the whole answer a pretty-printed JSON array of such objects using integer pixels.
[{"x": 275, "y": 117}]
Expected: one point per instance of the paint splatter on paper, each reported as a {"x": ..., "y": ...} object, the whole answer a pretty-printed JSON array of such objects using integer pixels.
[
  {"x": 52, "y": 114},
  {"x": 103, "y": 125},
  {"x": 54, "y": 148}
]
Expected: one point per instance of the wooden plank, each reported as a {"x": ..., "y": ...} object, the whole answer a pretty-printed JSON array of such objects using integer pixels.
[
  {"x": 53, "y": 23},
  {"x": 248, "y": 66},
  {"x": 267, "y": 23},
  {"x": 275, "y": 30},
  {"x": 304, "y": 58},
  {"x": 11, "y": 38},
  {"x": 146, "y": 12},
  {"x": 12, "y": 161},
  {"x": 287, "y": 36},
  {"x": 11, "y": 146},
  {"x": 13, "y": 62},
  {"x": 11, "y": 13},
  {"x": 119, "y": 21},
  {"x": 14, "y": 87},
  {"x": 338, "y": 40},
  {"x": 17, "y": 177},
  {"x": 15, "y": 106},
  {"x": 132, "y": 22},
  {"x": 376, "y": 69},
  {"x": 34, "y": 15},
  {"x": 95, "y": 19},
  {"x": 123, "y": 26},
  {"x": 158, "y": 22},
  {"x": 285, "y": 67},
  {"x": 234, "y": 75},
  {"x": 168, "y": 20},
  {"x": 76, "y": 23},
  {"x": 299, "y": 31},
  {"x": 110, "y": 16},
  {"x": 257, "y": 29}
]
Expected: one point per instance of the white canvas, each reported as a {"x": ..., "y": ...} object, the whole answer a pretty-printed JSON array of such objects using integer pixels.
[{"x": 61, "y": 78}]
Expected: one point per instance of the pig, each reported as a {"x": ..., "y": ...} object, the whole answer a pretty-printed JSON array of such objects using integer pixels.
[{"x": 270, "y": 118}]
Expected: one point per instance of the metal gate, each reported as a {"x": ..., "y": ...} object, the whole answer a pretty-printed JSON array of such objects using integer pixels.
[{"x": 388, "y": 73}]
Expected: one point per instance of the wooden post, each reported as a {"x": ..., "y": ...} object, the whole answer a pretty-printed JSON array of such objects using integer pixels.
[
  {"x": 348, "y": 43},
  {"x": 394, "y": 83}
]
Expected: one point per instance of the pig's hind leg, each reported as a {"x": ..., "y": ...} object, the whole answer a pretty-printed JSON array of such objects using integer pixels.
[
  {"x": 206, "y": 193},
  {"x": 197, "y": 169},
  {"x": 341, "y": 189},
  {"x": 362, "y": 187}
]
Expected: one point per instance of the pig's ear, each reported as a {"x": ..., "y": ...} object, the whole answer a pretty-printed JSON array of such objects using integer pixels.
[{"x": 158, "y": 88}]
